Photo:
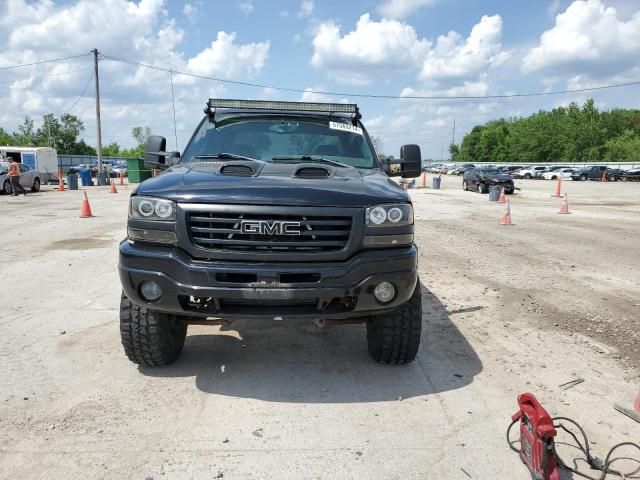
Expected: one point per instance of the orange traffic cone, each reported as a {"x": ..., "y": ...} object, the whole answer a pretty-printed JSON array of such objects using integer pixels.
[
  {"x": 506, "y": 216},
  {"x": 60, "y": 184},
  {"x": 85, "y": 212},
  {"x": 121, "y": 178},
  {"x": 113, "y": 187},
  {"x": 558, "y": 194},
  {"x": 636, "y": 404},
  {"x": 424, "y": 179},
  {"x": 604, "y": 176},
  {"x": 564, "y": 207},
  {"x": 503, "y": 198}
]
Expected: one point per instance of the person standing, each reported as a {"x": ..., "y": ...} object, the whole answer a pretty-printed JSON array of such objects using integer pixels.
[{"x": 14, "y": 177}]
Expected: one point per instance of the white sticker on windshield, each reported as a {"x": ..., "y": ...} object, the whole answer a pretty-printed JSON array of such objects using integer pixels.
[{"x": 345, "y": 127}]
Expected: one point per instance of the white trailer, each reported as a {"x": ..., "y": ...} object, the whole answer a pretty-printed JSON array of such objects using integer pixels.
[{"x": 43, "y": 159}]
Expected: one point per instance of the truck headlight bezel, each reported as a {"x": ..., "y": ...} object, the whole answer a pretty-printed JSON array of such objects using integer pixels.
[
  {"x": 392, "y": 215},
  {"x": 151, "y": 208}
]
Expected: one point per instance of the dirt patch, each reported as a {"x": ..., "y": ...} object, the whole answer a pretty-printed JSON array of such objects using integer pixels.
[{"x": 86, "y": 243}]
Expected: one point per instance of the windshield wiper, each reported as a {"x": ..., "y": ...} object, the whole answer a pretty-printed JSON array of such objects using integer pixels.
[
  {"x": 307, "y": 158},
  {"x": 226, "y": 156}
]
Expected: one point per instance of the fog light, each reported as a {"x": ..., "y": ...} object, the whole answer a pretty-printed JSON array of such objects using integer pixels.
[
  {"x": 384, "y": 292},
  {"x": 150, "y": 290}
]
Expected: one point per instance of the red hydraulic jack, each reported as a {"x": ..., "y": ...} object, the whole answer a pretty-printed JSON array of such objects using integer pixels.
[{"x": 536, "y": 438}]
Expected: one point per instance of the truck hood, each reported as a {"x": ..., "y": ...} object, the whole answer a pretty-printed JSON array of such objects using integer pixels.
[{"x": 273, "y": 184}]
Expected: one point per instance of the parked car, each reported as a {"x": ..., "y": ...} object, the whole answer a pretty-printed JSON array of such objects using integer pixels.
[
  {"x": 560, "y": 173},
  {"x": 480, "y": 179},
  {"x": 508, "y": 169},
  {"x": 29, "y": 178},
  {"x": 589, "y": 173},
  {"x": 614, "y": 174},
  {"x": 529, "y": 172},
  {"x": 631, "y": 175}
]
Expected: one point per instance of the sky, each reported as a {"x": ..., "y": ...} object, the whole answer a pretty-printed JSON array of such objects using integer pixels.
[{"x": 381, "y": 47}]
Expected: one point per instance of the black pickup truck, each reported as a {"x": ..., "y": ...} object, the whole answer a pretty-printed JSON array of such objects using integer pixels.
[{"x": 277, "y": 210}]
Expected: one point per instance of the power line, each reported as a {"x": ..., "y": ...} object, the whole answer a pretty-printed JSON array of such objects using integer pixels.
[
  {"x": 45, "y": 76},
  {"x": 363, "y": 95},
  {"x": 44, "y": 61},
  {"x": 80, "y": 96}
]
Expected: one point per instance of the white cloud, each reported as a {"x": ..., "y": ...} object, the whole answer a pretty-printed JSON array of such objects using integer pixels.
[
  {"x": 142, "y": 31},
  {"x": 306, "y": 8},
  {"x": 454, "y": 57},
  {"x": 401, "y": 8},
  {"x": 587, "y": 38},
  {"x": 467, "y": 89},
  {"x": 246, "y": 7},
  {"x": 226, "y": 59},
  {"x": 190, "y": 11},
  {"x": 386, "y": 45},
  {"x": 554, "y": 7}
]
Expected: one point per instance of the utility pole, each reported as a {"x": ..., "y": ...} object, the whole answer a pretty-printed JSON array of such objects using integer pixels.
[
  {"x": 98, "y": 127},
  {"x": 173, "y": 104},
  {"x": 442, "y": 152},
  {"x": 453, "y": 137}
]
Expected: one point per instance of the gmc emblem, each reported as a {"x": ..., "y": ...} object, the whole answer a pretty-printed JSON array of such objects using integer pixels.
[{"x": 271, "y": 228}]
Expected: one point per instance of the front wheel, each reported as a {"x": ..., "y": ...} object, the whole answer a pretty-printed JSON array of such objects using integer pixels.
[
  {"x": 149, "y": 337},
  {"x": 6, "y": 188},
  {"x": 612, "y": 178},
  {"x": 527, "y": 176},
  {"x": 36, "y": 185},
  {"x": 482, "y": 188},
  {"x": 465, "y": 187},
  {"x": 394, "y": 338},
  {"x": 583, "y": 178}
]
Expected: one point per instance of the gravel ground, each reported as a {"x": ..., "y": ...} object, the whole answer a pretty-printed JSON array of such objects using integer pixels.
[{"x": 506, "y": 310}]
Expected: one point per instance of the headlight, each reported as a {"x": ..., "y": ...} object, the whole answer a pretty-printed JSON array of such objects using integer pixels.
[
  {"x": 149, "y": 208},
  {"x": 389, "y": 215}
]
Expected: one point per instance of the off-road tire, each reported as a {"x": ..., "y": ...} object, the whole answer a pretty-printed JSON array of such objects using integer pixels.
[
  {"x": 394, "y": 338},
  {"x": 149, "y": 337}
]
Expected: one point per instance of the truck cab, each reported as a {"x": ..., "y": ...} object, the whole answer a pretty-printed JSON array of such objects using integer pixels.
[{"x": 277, "y": 210}]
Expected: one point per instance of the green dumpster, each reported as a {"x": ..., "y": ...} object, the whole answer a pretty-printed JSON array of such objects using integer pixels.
[{"x": 136, "y": 171}]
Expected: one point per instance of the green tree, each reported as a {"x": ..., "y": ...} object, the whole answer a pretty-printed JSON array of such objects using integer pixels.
[
  {"x": 454, "y": 151},
  {"x": 5, "y": 138},
  {"x": 111, "y": 150},
  {"x": 25, "y": 136},
  {"x": 625, "y": 148}
]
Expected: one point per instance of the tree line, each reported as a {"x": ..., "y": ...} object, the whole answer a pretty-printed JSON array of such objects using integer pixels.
[
  {"x": 565, "y": 134},
  {"x": 64, "y": 134}
]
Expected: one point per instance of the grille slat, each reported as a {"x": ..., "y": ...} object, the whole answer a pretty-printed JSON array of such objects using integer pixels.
[
  {"x": 308, "y": 233},
  {"x": 221, "y": 231}
]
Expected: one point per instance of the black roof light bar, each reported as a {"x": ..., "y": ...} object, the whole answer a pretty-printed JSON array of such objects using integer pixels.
[{"x": 215, "y": 103}]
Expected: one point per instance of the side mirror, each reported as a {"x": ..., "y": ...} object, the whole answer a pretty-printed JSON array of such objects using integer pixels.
[
  {"x": 411, "y": 161},
  {"x": 155, "y": 154}
]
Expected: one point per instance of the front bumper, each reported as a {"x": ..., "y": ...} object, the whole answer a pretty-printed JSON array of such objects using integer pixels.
[{"x": 316, "y": 290}]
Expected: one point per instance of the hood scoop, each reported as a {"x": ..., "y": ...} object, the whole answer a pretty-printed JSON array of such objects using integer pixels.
[
  {"x": 306, "y": 171},
  {"x": 237, "y": 170}
]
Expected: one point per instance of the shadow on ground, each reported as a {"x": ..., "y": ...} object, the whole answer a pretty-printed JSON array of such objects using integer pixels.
[{"x": 294, "y": 362}]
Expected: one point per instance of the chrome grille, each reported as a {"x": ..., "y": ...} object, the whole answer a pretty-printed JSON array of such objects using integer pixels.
[{"x": 223, "y": 231}]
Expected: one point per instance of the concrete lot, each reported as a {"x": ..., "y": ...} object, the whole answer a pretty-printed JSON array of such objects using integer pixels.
[{"x": 506, "y": 310}]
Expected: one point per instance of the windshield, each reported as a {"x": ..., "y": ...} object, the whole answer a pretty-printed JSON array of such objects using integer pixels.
[
  {"x": 3, "y": 167},
  {"x": 266, "y": 139},
  {"x": 490, "y": 171}
]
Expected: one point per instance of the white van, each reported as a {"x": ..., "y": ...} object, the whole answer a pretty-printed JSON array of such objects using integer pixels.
[{"x": 42, "y": 159}]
